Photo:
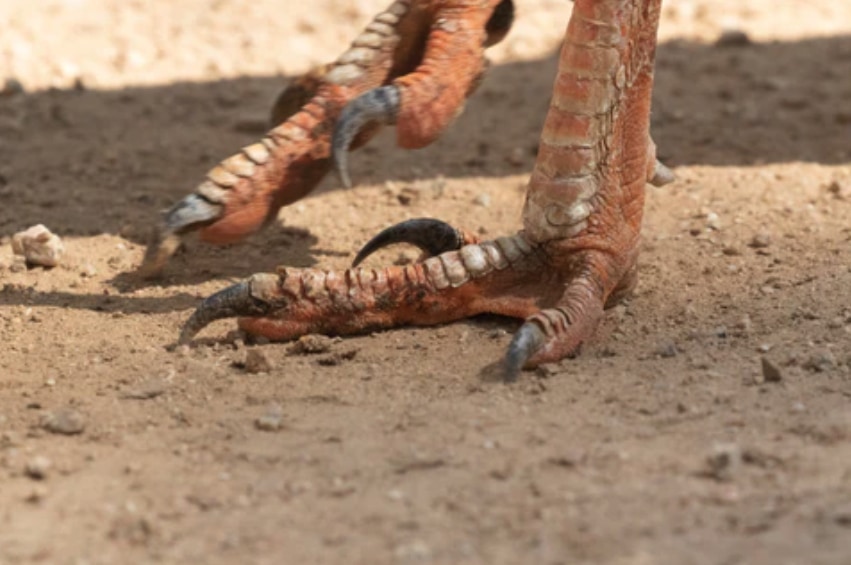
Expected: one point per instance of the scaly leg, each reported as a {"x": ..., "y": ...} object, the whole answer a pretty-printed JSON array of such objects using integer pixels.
[
  {"x": 414, "y": 65},
  {"x": 582, "y": 220}
]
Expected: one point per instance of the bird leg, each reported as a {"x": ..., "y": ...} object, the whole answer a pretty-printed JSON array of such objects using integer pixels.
[
  {"x": 413, "y": 65},
  {"x": 582, "y": 218}
]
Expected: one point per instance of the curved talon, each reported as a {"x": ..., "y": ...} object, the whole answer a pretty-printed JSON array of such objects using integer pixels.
[
  {"x": 236, "y": 300},
  {"x": 191, "y": 212},
  {"x": 379, "y": 105},
  {"x": 526, "y": 342},
  {"x": 499, "y": 23},
  {"x": 662, "y": 175},
  {"x": 430, "y": 235}
]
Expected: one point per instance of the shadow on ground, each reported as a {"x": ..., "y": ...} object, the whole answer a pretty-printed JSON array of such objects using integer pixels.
[
  {"x": 53, "y": 171},
  {"x": 713, "y": 106}
]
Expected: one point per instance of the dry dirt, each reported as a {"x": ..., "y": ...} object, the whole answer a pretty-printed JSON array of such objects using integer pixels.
[{"x": 661, "y": 443}]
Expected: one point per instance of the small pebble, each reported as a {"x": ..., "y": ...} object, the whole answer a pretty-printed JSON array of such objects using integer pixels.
[
  {"x": 713, "y": 221},
  {"x": 408, "y": 196},
  {"x": 483, "y": 200},
  {"x": 88, "y": 270},
  {"x": 39, "y": 246},
  {"x": 724, "y": 461},
  {"x": 760, "y": 241},
  {"x": 145, "y": 391},
  {"x": 745, "y": 325},
  {"x": 271, "y": 421},
  {"x": 36, "y": 494},
  {"x": 667, "y": 350},
  {"x": 38, "y": 467},
  {"x": 257, "y": 362},
  {"x": 516, "y": 157},
  {"x": 311, "y": 344},
  {"x": 820, "y": 362},
  {"x": 66, "y": 421},
  {"x": 840, "y": 190},
  {"x": 843, "y": 517}
]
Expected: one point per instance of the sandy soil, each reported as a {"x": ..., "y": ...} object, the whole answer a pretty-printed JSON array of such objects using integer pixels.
[{"x": 661, "y": 443}]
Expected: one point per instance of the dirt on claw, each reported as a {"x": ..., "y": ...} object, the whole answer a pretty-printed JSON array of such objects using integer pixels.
[{"x": 662, "y": 441}]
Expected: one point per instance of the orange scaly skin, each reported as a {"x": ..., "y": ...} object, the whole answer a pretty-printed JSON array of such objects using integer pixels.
[
  {"x": 582, "y": 217},
  {"x": 414, "y": 44}
]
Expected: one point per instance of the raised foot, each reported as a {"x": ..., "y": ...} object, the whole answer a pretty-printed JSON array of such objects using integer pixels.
[{"x": 395, "y": 72}]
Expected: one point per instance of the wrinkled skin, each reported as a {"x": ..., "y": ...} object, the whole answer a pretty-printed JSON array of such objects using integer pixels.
[{"x": 412, "y": 68}]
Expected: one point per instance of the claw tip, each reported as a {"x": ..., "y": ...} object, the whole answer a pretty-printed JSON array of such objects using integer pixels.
[
  {"x": 526, "y": 342},
  {"x": 162, "y": 246}
]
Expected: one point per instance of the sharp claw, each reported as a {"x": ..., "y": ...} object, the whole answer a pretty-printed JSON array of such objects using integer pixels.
[
  {"x": 526, "y": 342},
  {"x": 234, "y": 301},
  {"x": 190, "y": 212},
  {"x": 499, "y": 23},
  {"x": 379, "y": 105},
  {"x": 662, "y": 175},
  {"x": 430, "y": 235},
  {"x": 162, "y": 246}
]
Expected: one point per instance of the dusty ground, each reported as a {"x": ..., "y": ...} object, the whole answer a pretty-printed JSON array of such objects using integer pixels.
[{"x": 661, "y": 443}]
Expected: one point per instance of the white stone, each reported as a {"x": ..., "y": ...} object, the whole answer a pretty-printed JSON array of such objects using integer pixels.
[{"x": 39, "y": 246}]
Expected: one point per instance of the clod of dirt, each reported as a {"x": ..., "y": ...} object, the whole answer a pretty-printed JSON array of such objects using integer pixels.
[
  {"x": 760, "y": 241},
  {"x": 19, "y": 265},
  {"x": 132, "y": 528},
  {"x": 840, "y": 190},
  {"x": 9, "y": 438},
  {"x": 418, "y": 463},
  {"x": 66, "y": 421},
  {"x": 36, "y": 494},
  {"x": 409, "y": 195},
  {"x": 11, "y": 87},
  {"x": 733, "y": 38},
  {"x": 843, "y": 517},
  {"x": 771, "y": 373},
  {"x": 311, "y": 344},
  {"x": 820, "y": 362},
  {"x": 256, "y": 362},
  {"x": 38, "y": 467},
  {"x": 724, "y": 461},
  {"x": 39, "y": 246},
  {"x": 483, "y": 200},
  {"x": 337, "y": 358},
  {"x": 667, "y": 350}
]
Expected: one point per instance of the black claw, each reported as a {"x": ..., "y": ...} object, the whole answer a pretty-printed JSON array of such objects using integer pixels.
[
  {"x": 231, "y": 302},
  {"x": 190, "y": 212},
  {"x": 499, "y": 22},
  {"x": 662, "y": 175},
  {"x": 528, "y": 340},
  {"x": 432, "y": 236},
  {"x": 379, "y": 105}
]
